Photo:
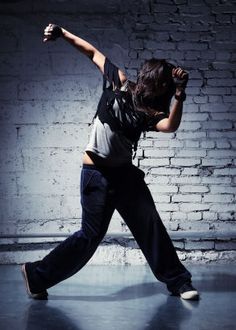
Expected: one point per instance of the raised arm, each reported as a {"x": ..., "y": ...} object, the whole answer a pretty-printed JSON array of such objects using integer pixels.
[
  {"x": 171, "y": 124},
  {"x": 52, "y": 32}
]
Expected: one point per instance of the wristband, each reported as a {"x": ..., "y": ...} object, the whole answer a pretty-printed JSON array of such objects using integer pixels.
[
  {"x": 181, "y": 97},
  {"x": 56, "y": 32}
]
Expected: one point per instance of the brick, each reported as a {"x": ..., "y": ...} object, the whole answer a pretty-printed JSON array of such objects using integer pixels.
[
  {"x": 162, "y": 46},
  {"x": 231, "y": 245},
  {"x": 214, "y": 107},
  {"x": 158, "y": 153},
  {"x": 52, "y": 159},
  {"x": 163, "y": 144},
  {"x": 216, "y": 180},
  {"x": 189, "y": 126},
  {"x": 229, "y": 98},
  {"x": 8, "y": 186},
  {"x": 220, "y": 198},
  {"x": 185, "y": 161},
  {"x": 192, "y": 144},
  {"x": 163, "y": 8},
  {"x": 189, "y": 135},
  {"x": 30, "y": 208},
  {"x": 216, "y": 90},
  {"x": 191, "y": 207},
  {"x": 179, "y": 216},
  {"x": 160, "y": 136},
  {"x": 189, "y": 117},
  {"x": 158, "y": 180},
  {"x": 220, "y": 189},
  {"x": 8, "y": 136},
  {"x": 207, "y": 55},
  {"x": 193, "y": 189},
  {"x": 200, "y": 99},
  {"x": 223, "y": 65},
  {"x": 208, "y": 144},
  {"x": 136, "y": 44},
  {"x": 186, "y": 180},
  {"x": 192, "y": 46},
  {"x": 230, "y": 134},
  {"x": 179, "y": 245},
  {"x": 221, "y": 153},
  {"x": 190, "y": 171},
  {"x": 165, "y": 171},
  {"x": 12, "y": 161},
  {"x": 222, "y": 206},
  {"x": 223, "y": 116},
  {"x": 191, "y": 153},
  {"x": 223, "y": 144},
  {"x": 153, "y": 162},
  {"x": 199, "y": 245},
  {"x": 56, "y": 89},
  {"x": 168, "y": 207},
  {"x": 217, "y": 162},
  {"x": 190, "y": 109},
  {"x": 186, "y": 198},
  {"x": 61, "y": 112},
  {"x": 219, "y": 82},
  {"x": 194, "y": 226},
  {"x": 175, "y": 144},
  {"x": 210, "y": 216},
  {"x": 226, "y": 216},
  {"x": 218, "y": 74},
  {"x": 8, "y": 90},
  {"x": 55, "y": 183},
  {"x": 163, "y": 189},
  {"x": 217, "y": 125},
  {"x": 53, "y": 136}
]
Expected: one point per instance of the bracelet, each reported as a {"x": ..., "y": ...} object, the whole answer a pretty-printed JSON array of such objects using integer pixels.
[{"x": 181, "y": 97}]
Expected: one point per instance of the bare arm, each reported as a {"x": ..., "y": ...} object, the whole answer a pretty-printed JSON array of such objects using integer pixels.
[
  {"x": 84, "y": 47},
  {"x": 171, "y": 124}
]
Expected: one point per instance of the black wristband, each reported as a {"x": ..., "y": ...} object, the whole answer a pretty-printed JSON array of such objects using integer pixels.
[
  {"x": 181, "y": 97},
  {"x": 56, "y": 32}
]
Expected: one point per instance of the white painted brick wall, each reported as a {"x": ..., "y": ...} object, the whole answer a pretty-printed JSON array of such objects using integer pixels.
[{"x": 48, "y": 96}]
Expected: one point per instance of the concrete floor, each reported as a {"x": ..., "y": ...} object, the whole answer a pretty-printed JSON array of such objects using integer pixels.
[{"x": 120, "y": 298}]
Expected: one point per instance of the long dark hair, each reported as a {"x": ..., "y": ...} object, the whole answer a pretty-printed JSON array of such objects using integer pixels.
[{"x": 155, "y": 87}]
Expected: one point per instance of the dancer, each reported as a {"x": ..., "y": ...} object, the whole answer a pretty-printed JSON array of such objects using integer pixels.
[{"x": 110, "y": 181}]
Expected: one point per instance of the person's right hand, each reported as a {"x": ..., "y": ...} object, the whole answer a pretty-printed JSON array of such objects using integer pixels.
[
  {"x": 180, "y": 78},
  {"x": 52, "y": 32}
]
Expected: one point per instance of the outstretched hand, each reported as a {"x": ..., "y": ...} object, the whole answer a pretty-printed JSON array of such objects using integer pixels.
[
  {"x": 180, "y": 78},
  {"x": 52, "y": 32}
]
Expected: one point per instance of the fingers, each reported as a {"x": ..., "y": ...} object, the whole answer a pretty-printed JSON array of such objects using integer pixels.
[
  {"x": 48, "y": 32},
  {"x": 180, "y": 73}
]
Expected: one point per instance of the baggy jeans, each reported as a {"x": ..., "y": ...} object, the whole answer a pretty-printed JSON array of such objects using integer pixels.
[{"x": 102, "y": 191}]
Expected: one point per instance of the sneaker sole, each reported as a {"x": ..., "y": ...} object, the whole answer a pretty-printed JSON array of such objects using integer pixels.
[
  {"x": 190, "y": 295},
  {"x": 39, "y": 296}
]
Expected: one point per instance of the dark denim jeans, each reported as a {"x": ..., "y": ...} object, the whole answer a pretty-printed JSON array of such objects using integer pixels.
[{"x": 103, "y": 191}]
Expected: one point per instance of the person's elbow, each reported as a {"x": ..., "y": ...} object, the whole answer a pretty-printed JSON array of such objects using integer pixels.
[
  {"x": 166, "y": 126},
  {"x": 172, "y": 128}
]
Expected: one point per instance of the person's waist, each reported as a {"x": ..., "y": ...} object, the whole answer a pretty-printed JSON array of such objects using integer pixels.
[{"x": 93, "y": 160}]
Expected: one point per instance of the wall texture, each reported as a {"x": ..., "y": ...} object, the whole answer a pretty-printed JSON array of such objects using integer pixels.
[{"x": 48, "y": 96}]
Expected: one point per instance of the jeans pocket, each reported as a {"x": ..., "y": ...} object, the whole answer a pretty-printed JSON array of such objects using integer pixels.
[{"x": 86, "y": 177}]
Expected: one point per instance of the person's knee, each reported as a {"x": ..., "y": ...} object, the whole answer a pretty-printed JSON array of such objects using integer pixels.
[{"x": 91, "y": 234}]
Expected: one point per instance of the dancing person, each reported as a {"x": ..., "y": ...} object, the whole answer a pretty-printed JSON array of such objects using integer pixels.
[{"x": 110, "y": 181}]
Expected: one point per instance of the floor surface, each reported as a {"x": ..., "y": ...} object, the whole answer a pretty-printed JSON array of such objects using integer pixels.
[{"x": 120, "y": 298}]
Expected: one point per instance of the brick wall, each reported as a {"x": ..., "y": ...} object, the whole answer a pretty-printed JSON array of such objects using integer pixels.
[{"x": 48, "y": 96}]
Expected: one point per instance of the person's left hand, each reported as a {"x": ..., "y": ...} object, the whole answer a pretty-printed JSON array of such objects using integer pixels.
[{"x": 180, "y": 78}]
